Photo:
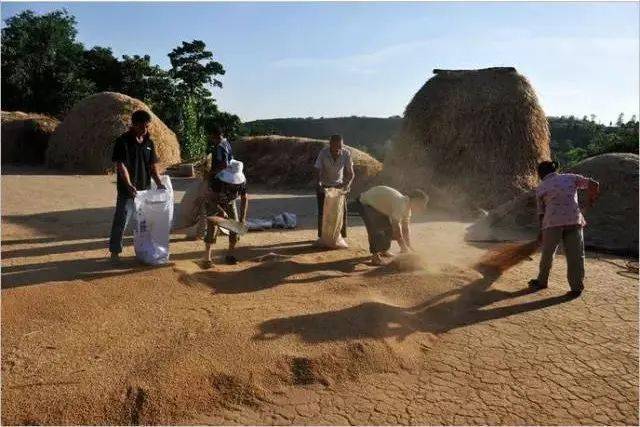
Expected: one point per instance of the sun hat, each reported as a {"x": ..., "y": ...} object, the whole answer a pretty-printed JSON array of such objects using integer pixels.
[{"x": 233, "y": 173}]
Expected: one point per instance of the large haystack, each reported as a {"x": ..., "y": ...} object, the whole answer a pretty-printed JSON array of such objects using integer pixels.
[
  {"x": 25, "y": 137},
  {"x": 473, "y": 137},
  {"x": 283, "y": 161},
  {"x": 612, "y": 224},
  {"x": 84, "y": 140}
]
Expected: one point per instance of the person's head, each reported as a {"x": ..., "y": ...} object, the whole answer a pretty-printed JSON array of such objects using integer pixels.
[
  {"x": 214, "y": 133},
  {"x": 335, "y": 144},
  {"x": 547, "y": 167},
  {"x": 418, "y": 200},
  {"x": 140, "y": 121}
]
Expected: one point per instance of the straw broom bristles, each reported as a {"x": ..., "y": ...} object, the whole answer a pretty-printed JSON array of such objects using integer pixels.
[{"x": 505, "y": 256}]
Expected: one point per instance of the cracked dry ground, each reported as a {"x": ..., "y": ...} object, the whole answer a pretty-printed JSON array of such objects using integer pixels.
[{"x": 317, "y": 338}]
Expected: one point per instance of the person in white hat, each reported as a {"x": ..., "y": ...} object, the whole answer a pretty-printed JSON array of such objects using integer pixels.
[{"x": 224, "y": 188}]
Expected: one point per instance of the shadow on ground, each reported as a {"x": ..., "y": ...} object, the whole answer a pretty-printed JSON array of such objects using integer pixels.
[
  {"x": 77, "y": 269},
  {"x": 450, "y": 310},
  {"x": 268, "y": 274}
]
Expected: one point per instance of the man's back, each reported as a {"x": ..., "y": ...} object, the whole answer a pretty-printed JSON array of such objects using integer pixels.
[{"x": 388, "y": 201}]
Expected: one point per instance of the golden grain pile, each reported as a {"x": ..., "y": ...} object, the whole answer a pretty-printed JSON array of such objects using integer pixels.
[
  {"x": 283, "y": 161},
  {"x": 472, "y": 137},
  {"x": 84, "y": 140},
  {"x": 612, "y": 223},
  {"x": 25, "y": 136}
]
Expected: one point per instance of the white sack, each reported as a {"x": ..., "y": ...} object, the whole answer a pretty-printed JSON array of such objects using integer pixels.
[
  {"x": 332, "y": 218},
  {"x": 152, "y": 223}
]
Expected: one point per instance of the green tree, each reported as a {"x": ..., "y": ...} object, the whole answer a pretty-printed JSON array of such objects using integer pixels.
[
  {"x": 193, "y": 66},
  {"x": 229, "y": 123},
  {"x": 193, "y": 69},
  {"x": 42, "y": 63},
  {"x": 103, "y": 69}
]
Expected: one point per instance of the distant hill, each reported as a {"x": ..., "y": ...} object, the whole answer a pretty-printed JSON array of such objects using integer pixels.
[
  {"x": 369, "y": 134},
  {"x": 572, "y": 139}
]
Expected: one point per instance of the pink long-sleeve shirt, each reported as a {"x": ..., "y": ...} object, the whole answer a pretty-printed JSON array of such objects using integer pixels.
[{"x": 557, "y": 199}]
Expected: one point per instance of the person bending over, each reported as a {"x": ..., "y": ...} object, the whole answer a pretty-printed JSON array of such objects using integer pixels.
[
  {"x": 224, "y": 189},
  {"x": 386, "y": 213}
]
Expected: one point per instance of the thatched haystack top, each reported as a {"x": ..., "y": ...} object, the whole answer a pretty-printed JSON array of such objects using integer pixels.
[
  {"x": 612, "y": 224},
  {"x": 477, "y": 135},
  {"x": 25, "y": 136},
  {"x": 84, "y": 140},
  {"x": 289, "y": 161}
]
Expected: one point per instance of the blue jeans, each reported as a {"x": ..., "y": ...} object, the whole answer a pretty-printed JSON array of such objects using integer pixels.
[{"x": 124, "y": 211}]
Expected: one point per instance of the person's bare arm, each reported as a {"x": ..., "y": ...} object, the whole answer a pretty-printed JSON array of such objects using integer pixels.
[
  {"x": 406, "y": 233},
  {"x": 398, "y": 235},
  {"x": 155, "y": 174},
  {"x": 349, "y": 174},
  {"x": 124, "y": 174},
  {"x": 244, "y": 207}
]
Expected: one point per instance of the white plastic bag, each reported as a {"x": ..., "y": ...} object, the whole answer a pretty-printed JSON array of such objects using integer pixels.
[
  {"x": 152, "y": 223},
  {"x": 332, "y": 219}
]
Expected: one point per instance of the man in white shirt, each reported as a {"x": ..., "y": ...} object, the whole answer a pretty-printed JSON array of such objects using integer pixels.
[
  {"x": 335, "y": 170},
  {"x": 386, "y": 213}
]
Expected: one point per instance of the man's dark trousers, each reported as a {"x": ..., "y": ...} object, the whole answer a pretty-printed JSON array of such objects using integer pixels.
[
  {"x": 320, "y": 197},
  {"x": 124, "y": 210},
  {"x": 378, "y": 227}
]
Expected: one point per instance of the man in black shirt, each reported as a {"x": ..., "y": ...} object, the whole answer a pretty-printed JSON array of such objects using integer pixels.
[{"x": 134, "y": 155}]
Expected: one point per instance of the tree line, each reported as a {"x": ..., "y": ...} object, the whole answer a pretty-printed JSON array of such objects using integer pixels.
[
  {"x": 572, "y": 139},
  {"x": 46, "y": 70}
]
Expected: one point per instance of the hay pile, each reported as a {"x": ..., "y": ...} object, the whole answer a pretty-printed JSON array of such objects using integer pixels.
[
  {"x": 84, "y": 140},
  {"x": 471, "y": 138},
  {"x": 25, "y": 136},
  {"x": 612, "y": 224},
  {"x": 288, "y": 162}
]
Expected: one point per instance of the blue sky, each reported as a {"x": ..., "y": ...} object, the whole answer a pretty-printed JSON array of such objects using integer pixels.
[{"x": 342, "y": 59}]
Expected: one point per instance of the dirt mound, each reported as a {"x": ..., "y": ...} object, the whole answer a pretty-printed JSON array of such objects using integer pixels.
[
  {"x": 25, "y": 136},
  {"x": 84, "y": 140},
  {"x": 612, "y": 224},
  {"x": 471, "y": 138},
  {"x": 287, "y": 162}
]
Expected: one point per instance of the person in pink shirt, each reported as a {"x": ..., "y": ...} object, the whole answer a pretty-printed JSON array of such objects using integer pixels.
[{"x": 561, "y": 220}]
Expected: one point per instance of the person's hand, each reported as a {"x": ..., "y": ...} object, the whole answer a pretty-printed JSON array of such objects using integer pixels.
[{"x": 132, "y": 190}]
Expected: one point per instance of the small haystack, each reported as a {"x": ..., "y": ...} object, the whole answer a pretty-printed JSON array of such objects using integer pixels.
[
  {"x": 612, "y": 224},
  {"x": 282, "y": 161},
  {"x": 471, "y": 138},
  {"x": 84, "y": 140},
  {"x": 25, "y": 137}
]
